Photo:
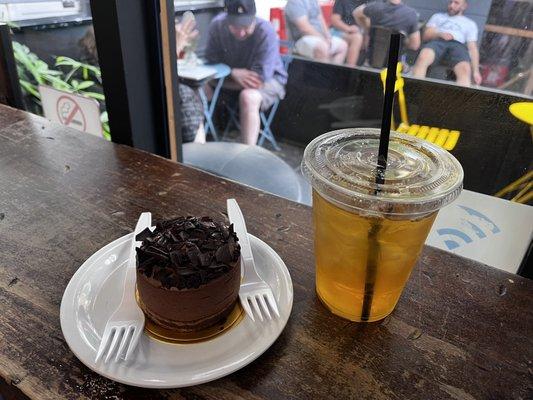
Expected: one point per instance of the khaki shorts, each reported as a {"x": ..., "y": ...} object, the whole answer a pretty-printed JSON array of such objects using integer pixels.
[
  {"x": 305, "y": 46},
  {"x": 271, "y": 91}
]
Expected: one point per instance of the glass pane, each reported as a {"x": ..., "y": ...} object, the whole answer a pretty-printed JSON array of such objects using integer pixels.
[{"x": 56, "y": 54}]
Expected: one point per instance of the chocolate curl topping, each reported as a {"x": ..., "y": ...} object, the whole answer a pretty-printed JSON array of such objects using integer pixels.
[{"x": 187, "y": 252}]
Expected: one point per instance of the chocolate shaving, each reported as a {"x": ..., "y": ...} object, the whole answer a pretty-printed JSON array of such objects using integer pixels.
[
  {"x": 143, "y": 235},
  {"x": 187, "y": 252}
]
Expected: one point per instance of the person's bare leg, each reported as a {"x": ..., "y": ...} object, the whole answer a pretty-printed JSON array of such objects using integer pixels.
[
  {"x": 463, "y": 73},
  {"x": 200, "y": 134},
  {"x": 249, "y": 105},
  {"x": 424, "y": 60},
  {"x": 321, "y": 51},
  {"x": 339, "y": 56},
  {"x": 355, "y": 42}
]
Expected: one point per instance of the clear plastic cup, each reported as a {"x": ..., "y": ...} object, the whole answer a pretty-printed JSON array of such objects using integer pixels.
[{"x": 367, "y": 236}]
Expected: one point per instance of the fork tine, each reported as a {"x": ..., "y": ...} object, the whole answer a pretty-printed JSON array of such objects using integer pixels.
[
  {"x": 114, "y": 344},
  {"x": 264, "y": 305},
  {"x": 246, "y": 306},
  {"x": 125, "y": 341},
  {"x": 133, "y": 341},
  {"x": 103, "y": 343},
  {"x": 272, "y": 302},
  {"x": 256, "y": 308}
]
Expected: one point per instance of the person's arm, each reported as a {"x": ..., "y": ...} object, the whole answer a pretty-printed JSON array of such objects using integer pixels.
[
  {"x": 306, "y": 28},
  {"x": 185, "y": 33},
  {"x": 296, "y": 12},
  {"x": 413, "y": 41},
  {"x": 325, "y": 28},
  {"x": 474, "y": 57},
  {"x": 362, "y": 20},
  {"x": 431, "y": 32},
  {"x": 266, "y": 55},
  {"x": 337, "y": 22}
]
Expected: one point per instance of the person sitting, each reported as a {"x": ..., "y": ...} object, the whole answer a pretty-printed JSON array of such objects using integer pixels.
[
  {"x": 451, "y": 37},
  {"x": 311, "y": 34},
  {"x": 392, "y": 14},
  {"x": 344, "y": 26},
  {"x": 250, "y": 47},
  {"x": 191, "y": 110}
]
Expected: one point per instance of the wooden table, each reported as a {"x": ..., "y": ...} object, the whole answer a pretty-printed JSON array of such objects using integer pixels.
[{"x": 460, "y": 331}]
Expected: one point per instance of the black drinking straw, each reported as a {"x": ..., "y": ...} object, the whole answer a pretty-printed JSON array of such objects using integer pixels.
[{"x": 373, "y": 244}]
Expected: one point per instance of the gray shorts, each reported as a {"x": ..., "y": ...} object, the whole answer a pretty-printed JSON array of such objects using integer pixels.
[
  {"x": 271, "y": 91},
  {"x": 449, "y": 52}
]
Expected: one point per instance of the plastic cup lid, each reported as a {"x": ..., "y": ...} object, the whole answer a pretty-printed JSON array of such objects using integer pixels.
[{"x": 420, "y": 177}]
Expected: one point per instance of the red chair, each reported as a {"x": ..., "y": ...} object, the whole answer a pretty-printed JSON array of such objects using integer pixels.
[
  {"x": 327, "y": 11},
  {"x": 277, "y": 18}
]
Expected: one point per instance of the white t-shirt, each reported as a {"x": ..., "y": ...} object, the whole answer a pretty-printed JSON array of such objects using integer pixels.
[{"x": 462, "y": 28}]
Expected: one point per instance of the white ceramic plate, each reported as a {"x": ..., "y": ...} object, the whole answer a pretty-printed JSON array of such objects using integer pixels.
[{"x": 93, "y": 294}]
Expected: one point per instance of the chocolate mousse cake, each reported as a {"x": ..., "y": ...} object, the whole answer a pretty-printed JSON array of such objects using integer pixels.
[{"x": 188, "y": 273}]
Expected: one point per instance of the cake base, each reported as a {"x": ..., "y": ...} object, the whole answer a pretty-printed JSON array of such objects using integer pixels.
[{"x": 171, "y": 336}]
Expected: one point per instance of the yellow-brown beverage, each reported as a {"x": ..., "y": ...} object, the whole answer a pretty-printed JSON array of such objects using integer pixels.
[
  {"x": 344, "y": 242},
  {"x": 370, "y": 229}
]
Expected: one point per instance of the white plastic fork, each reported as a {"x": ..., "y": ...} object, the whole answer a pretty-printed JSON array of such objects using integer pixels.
[
  {"x": 255, "y": 294},
  {"x": 124, "y": 327}
]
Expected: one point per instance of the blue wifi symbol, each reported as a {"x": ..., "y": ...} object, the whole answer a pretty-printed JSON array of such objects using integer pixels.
[{"x": 453, "y": 244}]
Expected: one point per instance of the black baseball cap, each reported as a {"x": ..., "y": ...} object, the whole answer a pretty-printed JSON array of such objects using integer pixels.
[{"x": 241, "y": 12}]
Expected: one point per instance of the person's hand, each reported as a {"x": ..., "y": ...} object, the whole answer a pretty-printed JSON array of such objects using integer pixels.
[
  {"x": 353, "y": 29},
  {"x": 477, "y": 78},
  {"x": 246, "y": 78},
  {"x": 185, "y": 34},
  {"x": 446, "y": 36}
]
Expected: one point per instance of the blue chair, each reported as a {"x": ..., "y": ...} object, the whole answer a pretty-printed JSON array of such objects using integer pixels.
[
  {"x": 209, "y": 106},
  {"x": 266, "y": 116}
]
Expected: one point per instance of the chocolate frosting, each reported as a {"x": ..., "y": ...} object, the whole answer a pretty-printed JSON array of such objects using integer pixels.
[{"x": 187, "y": 252}]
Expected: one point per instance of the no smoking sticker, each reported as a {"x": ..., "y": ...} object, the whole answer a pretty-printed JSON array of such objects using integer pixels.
[
  {"x": 70, "y": 113},
  {"x": 71, "y": 109}
]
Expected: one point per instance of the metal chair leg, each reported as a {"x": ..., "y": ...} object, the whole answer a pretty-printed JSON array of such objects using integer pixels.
[
  {"x": 266, "y": 132},
  {"x": 209, "y": 108},
  {"x": 209, "y": 125}
]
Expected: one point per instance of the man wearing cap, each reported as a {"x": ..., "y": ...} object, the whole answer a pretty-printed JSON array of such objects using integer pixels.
[
  {"x": 310, "y": 32},
  {"x": 250, "y": 46},
  {"x": 453, "y": 37}
]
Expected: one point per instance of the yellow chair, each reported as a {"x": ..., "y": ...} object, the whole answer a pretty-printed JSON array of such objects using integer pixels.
[
  {"x": 524, "y": 112},
  {"x": 444, "y": 138},
  {"x": 521, "y": 189}
]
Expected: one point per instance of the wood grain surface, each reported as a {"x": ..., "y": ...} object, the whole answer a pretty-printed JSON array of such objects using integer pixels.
[{"x": 461, "y": 330}]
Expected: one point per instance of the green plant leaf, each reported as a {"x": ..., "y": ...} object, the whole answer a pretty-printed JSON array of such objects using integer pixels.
[
  {"x": 94, "y": 95},
  {"x": 71, "y": 73},
  {"x": 84, "y": 85},
  {"x": 58, "y": 82},
  {"x": 30, "y": 89},
  {"x": 62, "y": 60}
]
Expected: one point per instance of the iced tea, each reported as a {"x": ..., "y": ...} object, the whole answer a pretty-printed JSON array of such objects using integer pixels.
[{"x": 343, "y": 244}]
